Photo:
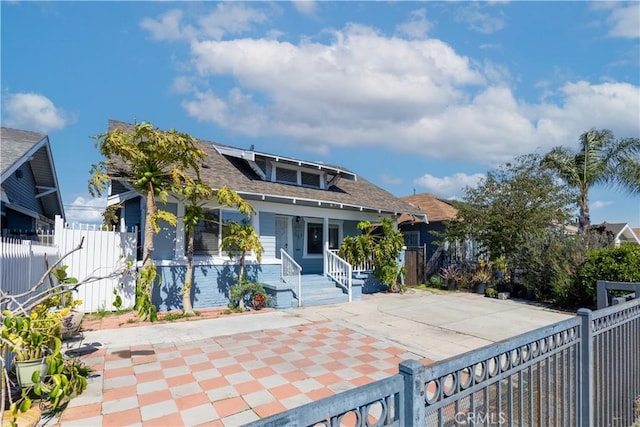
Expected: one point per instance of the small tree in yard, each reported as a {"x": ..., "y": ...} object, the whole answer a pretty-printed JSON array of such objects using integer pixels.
[
  {"x": 242, "y": 239},
  {"x": 195, "y": 196},
  {"x": 514, "y": 203},
  {"x": 384, "y": 243},
  {"x": 153, "y": 161}
]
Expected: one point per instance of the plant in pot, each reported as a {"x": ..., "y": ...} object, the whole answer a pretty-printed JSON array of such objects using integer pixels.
[
  {"x": 71, "y": 319},
  {"x": 481, "y": 278},
  {"x": 451, "y": 275},
  {"x": 31, "y": 339}
]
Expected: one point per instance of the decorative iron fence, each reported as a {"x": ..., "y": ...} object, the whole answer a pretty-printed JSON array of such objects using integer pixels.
[{"x": 583, "y": 371}]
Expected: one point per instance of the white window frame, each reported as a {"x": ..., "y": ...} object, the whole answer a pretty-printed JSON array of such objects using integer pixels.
[
  {"x": 332, "y": 223},
  {"x": 219, "y": 253},
  {"x": 322, "y": 176}
]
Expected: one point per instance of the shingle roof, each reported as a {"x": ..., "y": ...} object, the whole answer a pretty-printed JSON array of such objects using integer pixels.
[
  {"x": 435, "y": 208},
  {"x": 14, "y": 144},
  {"x": 220, "y": 170}
]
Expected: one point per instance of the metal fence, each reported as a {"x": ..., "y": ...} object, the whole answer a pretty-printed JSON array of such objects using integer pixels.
[{"x": 583, "y": 371}]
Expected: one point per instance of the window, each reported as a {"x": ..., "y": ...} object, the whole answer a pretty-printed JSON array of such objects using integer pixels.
[
  {"x": 207, "y": 233},
  {"x": 288, "y": 176},
  {"x": 411, "y": 238},
  {"x": 207, "y": 239},
  {"x": 314, "y": 239},
  {"x": 334, "y": 236},
  {"x": 310, "y": 179}
]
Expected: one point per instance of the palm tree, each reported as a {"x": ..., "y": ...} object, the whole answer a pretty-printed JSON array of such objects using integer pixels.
[
  {"x": 601, "y": 159},
  {"x": 153, "y": 161}
]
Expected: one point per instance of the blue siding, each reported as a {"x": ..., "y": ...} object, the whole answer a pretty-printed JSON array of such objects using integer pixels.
[
  {"x": 267, "y": 223},
  {"x": 210, "y": 284},
  {"x": 350, "y": 228},
  {"x": 164, "y": 242},
  {"x": 22, "y": 191},
  {"x": 131, "y": 213}
]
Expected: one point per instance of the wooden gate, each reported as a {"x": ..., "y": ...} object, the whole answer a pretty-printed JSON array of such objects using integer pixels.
[{"x": 414, "y": 263}]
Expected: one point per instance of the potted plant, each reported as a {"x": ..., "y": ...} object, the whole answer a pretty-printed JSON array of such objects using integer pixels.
[
  {"x": 482, "y": 277},
  {"x": 31, "y": 338},
  {"x": 71, "y": 319},
  {"x": 451, "y": 274}
]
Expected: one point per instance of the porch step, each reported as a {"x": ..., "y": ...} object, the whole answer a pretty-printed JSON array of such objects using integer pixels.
[{"x": 319, "y": 290}]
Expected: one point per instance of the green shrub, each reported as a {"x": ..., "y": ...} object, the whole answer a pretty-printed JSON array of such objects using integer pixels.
[
  {"x": 621, "y": 264},
  {"x": 247, "y": 294}
]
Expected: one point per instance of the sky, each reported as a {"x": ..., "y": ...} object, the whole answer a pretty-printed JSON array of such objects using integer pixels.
[{"x": 413, "y": 96}]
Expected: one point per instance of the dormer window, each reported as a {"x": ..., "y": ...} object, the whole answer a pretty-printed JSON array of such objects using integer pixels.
[
  {"x": 310, "y": 179},
  {"x": 287, "y": 176},
  {"x": 298, "y": 177}
]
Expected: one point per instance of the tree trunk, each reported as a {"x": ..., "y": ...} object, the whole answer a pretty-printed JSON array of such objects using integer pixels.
[
  {"x": 149, "y": 232},
  {"x": 584, "y": 220},
  {"x": 188, "y": 278},
  {"x": 240, "y": 279}
]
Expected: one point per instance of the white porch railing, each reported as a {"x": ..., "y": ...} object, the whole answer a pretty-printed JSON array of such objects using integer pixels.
[
  {"x": 364, "y": 267},
  {"x": 339, "y": 270},
  {"x": 290, "y": 273}
]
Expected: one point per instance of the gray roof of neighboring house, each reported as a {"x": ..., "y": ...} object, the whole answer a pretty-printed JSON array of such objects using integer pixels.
[
  {"x": 220, "y": 170},
  {"x": 20, "y": 146},
  {"x": 620, "y": 229}
]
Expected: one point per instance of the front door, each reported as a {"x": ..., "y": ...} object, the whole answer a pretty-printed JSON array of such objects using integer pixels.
[{"x": 282, "y": 235}]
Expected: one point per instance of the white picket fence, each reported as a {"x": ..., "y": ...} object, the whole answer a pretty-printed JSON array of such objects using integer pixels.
[
  {"x": 22, "y": 263},
  {"x": 103, "y": 252}
]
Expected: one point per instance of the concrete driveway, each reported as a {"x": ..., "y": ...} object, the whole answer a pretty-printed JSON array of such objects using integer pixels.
[
  {"x": 437, "y": 325},
  {"x": 235, "y": 369}
]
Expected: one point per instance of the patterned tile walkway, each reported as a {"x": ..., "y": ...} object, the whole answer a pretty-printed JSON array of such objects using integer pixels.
[{"x": 230, "y": 380}]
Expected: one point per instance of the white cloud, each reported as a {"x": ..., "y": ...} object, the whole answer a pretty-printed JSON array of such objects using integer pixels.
[
  {"x": 448, "y": 186},
  {"x": 599, "y": 204},
  {"x": 439, "y": 103},
  {"x": 305, "y": 7},
  {"x": 482, "y": 22},
  {"x": 227, "y": 18},
  {"x": 167, "y": 27},
  {"x": 33, "y": 111},
  {"x": 625, "y": 21},
  {"x": 417, "y": 26},
  {"x": 85, "y": 210}
]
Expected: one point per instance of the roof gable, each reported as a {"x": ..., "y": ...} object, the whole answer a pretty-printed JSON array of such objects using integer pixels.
[
  {"x": 19, "y": 147},
  {"x": 622, "y": 232}
]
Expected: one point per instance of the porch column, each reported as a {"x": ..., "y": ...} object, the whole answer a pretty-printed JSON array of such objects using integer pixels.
[{"x": 325, "y": 244}]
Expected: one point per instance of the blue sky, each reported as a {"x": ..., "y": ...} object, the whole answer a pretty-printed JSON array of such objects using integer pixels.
[{"x": 414, "y": 96}]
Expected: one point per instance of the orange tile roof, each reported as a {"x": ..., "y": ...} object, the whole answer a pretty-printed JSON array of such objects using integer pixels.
[{"x": 435, "y": 208}]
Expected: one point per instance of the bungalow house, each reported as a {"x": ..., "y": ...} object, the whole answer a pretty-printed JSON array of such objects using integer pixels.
[
  {"x": 619, "y": 232},
  {"x": 304, "y": 210},
  {"x": 421, "y": 233},
  {"x": 28, "y": 184}
]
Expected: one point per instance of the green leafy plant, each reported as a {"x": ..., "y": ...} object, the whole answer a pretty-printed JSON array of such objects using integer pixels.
[
  {"x": 436, "y": 281},
  {"x": 491, "y": 292},
  {"x": 247, "y": 294}
]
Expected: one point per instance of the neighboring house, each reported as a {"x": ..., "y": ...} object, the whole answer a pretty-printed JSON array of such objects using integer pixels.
[
  {"x": 29, "y": 185},
  {"x": 303, "y": 208},
  {"x": 620, "y": 232},
  {"x": 421, "y": 233}
]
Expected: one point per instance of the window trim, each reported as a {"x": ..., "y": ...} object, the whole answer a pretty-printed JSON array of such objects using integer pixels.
[
  {"x": 332, "y": 223},
  {"x": 322, "y": 177}
]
